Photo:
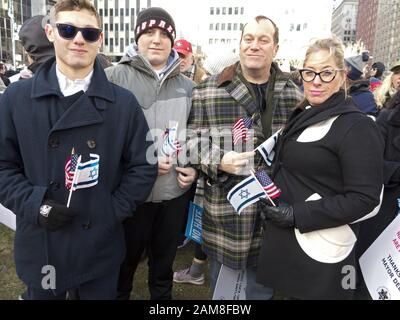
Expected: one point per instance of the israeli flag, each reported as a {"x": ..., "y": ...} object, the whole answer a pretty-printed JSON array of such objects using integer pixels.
[
  {"x": 88, "y": 173},
  {"x": 246, "y": 193},
  {"x": 267, "y": 148}
]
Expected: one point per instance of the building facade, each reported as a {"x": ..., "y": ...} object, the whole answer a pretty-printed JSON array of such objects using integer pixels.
[
  {"x": 366, "y": 23},
  {"x": 13, "y": 13},
  {"x": 387, "y": 32},
  {"x": 344, "y": 21},
  {"x": 119, "y": 19}
]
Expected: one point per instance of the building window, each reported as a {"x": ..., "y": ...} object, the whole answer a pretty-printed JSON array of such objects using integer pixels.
[
  {"x": 106, "y": 12},
  {"x": 222, "y": 26},
  {"x": 116, "y": 29},
  {"x": 121, "y": 12},
  {"x": 291, "y": 27},
  {"x": 111, "y": 12},
  {"x": 241, "y": 26},
  {"x": 224, "y": 10},
  {"x": 127, "y": 28},
  {"x": 116, "y": 42},
  {"x": 298, "y": 27},
  {"x": 235, "y": 25},
  {"x": 106, "y": 41},
  {"x": 127, "y": 6},
  {"x": 241, "y": 10},
  {"x": 111, "y": 45},
  {"x": 212, "y": 11},
  {"x": 210, "y": 41},
  {"x": 121, "y": 41},
  {"x": 236, "y": 10},
  {"x": 111, "y": 27},
  {"x": 106, "y": 27},
  {"x": 222, "y": 41},
  {"x": 101, "y": 12},
  {"x": 230, "y": 11},
  {"x": 305, "y": 26},
  {"x": 218, "y": 11},
  {"x": 229, "y": 26},
  {"x": 121, "y": 25},
  {"x": 211, "y": 26},
  {"x": 217, "y": 26}
]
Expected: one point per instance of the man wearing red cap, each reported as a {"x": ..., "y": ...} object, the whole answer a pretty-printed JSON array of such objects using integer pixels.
[{"x": 188, "y": 64}]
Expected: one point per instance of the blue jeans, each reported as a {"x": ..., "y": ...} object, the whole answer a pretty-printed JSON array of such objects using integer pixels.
[{"x": 254, "y": 290}]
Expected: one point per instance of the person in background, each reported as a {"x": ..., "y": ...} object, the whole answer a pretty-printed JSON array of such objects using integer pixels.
[
  {"x": 328, "y": 165},
  {"x": 375, "y": 75},
  {"x": 34, "y": 40},
  {"x": 151, "y": 70},
  {"x": 4, "y": 78},
  {"x": 69, "y": 113},
  {"x": 189, "y": 66},
  {"x": 358, "y": 88},
  {"x": 254, "y": 87},
  {"x": 389, "y": 87}
]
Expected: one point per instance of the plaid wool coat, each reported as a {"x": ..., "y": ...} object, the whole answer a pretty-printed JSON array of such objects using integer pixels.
[{"x": 217, "y": 104}]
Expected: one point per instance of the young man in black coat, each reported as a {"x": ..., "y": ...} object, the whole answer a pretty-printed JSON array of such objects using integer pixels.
[{"x": 63, "y": 242}]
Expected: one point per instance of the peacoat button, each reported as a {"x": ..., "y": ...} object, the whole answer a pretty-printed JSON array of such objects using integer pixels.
[
  {"x": 87, "y": 225},
  {"x": 54, "y": 186},
  {"x": 91, "y": 144},
  {"x": 54, "y": 143}
]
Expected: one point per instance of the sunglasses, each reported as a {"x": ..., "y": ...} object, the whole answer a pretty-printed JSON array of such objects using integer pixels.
[{"x": 69, "y": 32}]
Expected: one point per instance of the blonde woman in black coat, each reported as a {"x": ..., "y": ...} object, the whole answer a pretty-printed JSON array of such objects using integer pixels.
[{"x": 329, "y": 167}]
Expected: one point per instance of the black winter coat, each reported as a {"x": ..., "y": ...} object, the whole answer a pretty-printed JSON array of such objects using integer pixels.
[
  {"x": 34, "y": 146},
  {"x": 329, "y": 168}
]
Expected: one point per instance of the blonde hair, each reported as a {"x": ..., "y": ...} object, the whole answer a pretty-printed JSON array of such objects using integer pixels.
[
  {"x": 333, "y": 45},
  {"x": 335, "y": 48},
  {"x": 384, "y": 91}
]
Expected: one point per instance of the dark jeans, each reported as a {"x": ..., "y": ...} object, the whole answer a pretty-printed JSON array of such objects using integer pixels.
[
  {"x": 154, "y": 227},
  {"x": 199, "y": 253}
]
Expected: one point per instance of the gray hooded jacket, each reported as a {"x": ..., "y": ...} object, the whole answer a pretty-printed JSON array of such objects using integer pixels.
[{"x": 163, "y": 101}]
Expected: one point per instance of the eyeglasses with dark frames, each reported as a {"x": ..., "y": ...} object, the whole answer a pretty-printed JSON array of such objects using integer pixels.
[
  {"x": 326, "y": 76},
  {"x": 68, "y": 32}
]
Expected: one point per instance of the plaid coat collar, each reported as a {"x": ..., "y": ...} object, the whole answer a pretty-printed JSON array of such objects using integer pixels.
[{"x": 232, "y": 79}]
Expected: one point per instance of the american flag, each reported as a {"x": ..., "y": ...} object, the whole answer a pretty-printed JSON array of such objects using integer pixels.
[
  {"x": 268, "y": 185},
  {"x": 169, "y": 146},
  {"x": 240, "y": 130},
  {"x": 70, "y": 167}
]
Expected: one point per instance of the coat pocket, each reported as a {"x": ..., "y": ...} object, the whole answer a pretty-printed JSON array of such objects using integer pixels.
[{"x": 327, "y": 245}]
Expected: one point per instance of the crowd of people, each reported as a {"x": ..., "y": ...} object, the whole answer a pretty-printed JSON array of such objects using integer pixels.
[{"x": 100, "y": 162}]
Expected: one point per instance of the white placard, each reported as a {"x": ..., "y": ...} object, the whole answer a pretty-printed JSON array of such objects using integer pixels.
[{"x": 7, "y": 218}]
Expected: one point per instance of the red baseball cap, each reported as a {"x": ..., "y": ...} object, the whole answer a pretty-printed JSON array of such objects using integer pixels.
[{"x": 183, "y": 46}]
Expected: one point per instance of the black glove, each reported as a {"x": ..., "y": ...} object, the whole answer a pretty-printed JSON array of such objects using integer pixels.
[
  {"x": 53, "y": 215},
  {"x": 281, "y": 216}
]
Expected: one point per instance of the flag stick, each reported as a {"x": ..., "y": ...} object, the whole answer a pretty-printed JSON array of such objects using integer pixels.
[
  {"x": 76, "y": 174},
  {"x": 254, "y": 176}
]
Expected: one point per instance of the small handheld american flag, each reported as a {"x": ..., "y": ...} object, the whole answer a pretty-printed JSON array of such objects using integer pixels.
[
  {"x": 70, "y": 167},
  {"x": 240, "y": 130},
  {"x": 268, "y": 185}
]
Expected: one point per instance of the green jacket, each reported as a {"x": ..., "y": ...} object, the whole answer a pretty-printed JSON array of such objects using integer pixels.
[{"x": 217, "y": 104}]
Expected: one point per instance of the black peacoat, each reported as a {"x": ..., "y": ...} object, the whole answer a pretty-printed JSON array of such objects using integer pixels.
[{"x": 34, "y": 147}]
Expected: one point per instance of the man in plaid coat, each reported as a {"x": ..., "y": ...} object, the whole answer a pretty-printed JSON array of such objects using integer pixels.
[{"x": 254, "y": 87}]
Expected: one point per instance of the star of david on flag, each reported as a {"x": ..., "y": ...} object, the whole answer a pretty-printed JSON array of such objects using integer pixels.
[{"x": 246, "y": 193}]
